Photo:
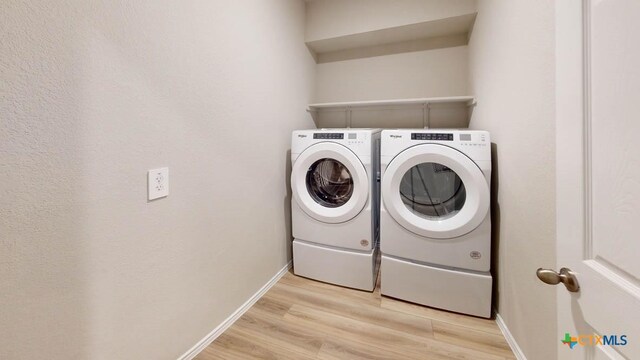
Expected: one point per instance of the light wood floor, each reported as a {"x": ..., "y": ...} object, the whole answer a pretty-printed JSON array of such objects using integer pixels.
[{"x": 305, "y": 319}]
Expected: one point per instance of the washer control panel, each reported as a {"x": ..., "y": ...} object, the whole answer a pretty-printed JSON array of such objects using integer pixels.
[
  {"x": 328, "y": 136},
  {"x": 356, "y": 139},
  {"x": 348, "y": 138}
]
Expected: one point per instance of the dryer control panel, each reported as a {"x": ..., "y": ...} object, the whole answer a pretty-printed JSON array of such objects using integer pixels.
[
  {"x": 476, "y": 144},
  {"x": 463, "y": 139},
  {"x": 432, "y": 136}
]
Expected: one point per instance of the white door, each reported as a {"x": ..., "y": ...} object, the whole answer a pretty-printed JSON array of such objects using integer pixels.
[{"x": 598, "y": 177}]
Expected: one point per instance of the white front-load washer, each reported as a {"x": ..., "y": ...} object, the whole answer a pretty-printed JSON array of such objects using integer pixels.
[
  {"x": 335, "y": 205},
  {"x": 435, "y": 223}
]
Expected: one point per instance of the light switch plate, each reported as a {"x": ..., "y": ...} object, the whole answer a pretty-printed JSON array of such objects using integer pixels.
[{"x": 158, "y": 183}]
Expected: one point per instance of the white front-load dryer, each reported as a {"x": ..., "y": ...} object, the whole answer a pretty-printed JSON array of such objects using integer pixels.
[
  {"x": 435, "y": 223},
  {"x": 335, "y": 205}
]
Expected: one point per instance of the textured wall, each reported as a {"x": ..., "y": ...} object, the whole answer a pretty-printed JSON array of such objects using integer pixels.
[
  {"x": 332, "y": 18},
  {"x": 92, "y": 95},
  {"x": 431, "y": 73},
  {"x": 512, "y": 67}
]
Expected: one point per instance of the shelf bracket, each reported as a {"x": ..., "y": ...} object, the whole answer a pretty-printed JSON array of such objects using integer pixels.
[{"x": 426, "y": 115}]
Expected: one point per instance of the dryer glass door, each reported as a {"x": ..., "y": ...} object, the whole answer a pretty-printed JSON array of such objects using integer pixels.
[
  {"x": 432, "y": 191},
  {"x": 435, "y": 191}
]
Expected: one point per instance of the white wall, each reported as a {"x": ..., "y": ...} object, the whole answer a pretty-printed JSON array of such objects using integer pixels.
[
  {"x": 92, "y": 95},
  {"x": 432, "y": 73},
  {"x": 333, "y": 18},
  {"x": 512, "y": 65}
]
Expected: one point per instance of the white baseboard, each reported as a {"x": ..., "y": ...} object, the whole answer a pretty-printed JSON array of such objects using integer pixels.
[
  {"x": 510, "y": 339},
  {"x": 197, "y": 348}
]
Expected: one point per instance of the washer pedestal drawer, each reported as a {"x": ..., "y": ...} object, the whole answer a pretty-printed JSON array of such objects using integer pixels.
[
  {"x": 453, "y": 290},
  {"x": 353, "y": 269}
]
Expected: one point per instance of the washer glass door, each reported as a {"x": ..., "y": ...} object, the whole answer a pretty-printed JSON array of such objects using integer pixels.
[{"x": 329, "y": 183}]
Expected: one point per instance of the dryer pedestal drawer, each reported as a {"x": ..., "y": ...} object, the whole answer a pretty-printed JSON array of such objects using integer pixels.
[
  {"x": 336, "y": 266},
  {"x": 459, "y": 291}
]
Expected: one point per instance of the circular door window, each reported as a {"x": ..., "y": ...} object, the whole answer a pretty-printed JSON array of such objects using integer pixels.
[
  {"x": 435, "y": 191},
  {"x": 432, "y": 191},
  {"x": 329, "y": 183}
]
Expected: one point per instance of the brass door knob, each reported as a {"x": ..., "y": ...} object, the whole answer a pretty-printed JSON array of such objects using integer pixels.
[{"x": 566, "y": 276}]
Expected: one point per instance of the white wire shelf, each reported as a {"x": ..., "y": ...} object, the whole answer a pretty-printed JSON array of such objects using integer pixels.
[{"x": 467, "y": 100}]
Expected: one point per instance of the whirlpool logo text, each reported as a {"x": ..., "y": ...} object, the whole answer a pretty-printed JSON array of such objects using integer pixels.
[{"x": 594, "y": 340}]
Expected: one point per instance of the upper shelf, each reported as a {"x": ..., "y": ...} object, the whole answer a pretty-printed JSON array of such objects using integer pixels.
[
  {"x": 440, "y": 33},
  {"x": 467, "y": 100}
]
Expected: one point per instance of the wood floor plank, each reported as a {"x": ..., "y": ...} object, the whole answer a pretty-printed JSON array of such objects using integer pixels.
[
  {"x": 304, "y": 319},
  {"x": 374, "y": 336},
  {"x": 272, "y": 306},
  {"x": 234, "y": 345},
  {"x": 357, "y": 331},
  {"x": 348, "y": 307},
  {"x": 272, "y": 330},
  {"x": 452, "y": 351},
  {"x": 339, "y": 349},
  {"x": 471, "y": 322},
  {"x": 473, "y": 339},
  {"x": 363, "y": 297}
]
